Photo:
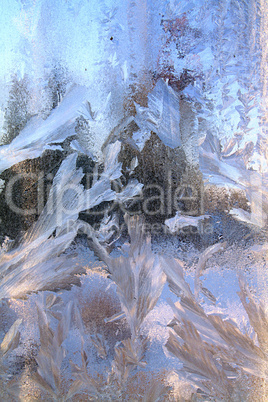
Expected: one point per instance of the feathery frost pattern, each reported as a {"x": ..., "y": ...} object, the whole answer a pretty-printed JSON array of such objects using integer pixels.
[
  {"x": 133, "y": 200},
  {"x": 212, "y": 349}
]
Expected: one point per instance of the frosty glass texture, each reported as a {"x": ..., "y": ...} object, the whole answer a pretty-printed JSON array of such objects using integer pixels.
[{"x": 134, "y": 164}]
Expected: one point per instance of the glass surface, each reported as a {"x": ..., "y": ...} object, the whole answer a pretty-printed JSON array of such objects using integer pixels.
[{"x": 133, "y": 200}]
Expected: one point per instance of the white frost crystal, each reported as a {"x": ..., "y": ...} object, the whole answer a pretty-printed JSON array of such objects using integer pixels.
[
  {"x": 38, "y": 262},
  {"x": 162, "y": 115}
]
